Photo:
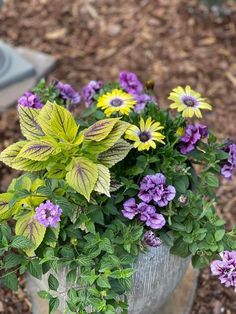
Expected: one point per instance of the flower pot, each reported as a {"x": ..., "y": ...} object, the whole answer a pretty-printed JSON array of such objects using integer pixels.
[{"x": 157, "y": 274}]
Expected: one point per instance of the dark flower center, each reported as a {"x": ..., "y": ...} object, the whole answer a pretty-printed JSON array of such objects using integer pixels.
[
  {"x": 189, "y": 101},
  {"x": 116, "y": 102},
  {"x": 144, "y": 136}
]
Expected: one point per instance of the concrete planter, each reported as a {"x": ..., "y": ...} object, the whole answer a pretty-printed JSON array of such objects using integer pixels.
[{"x": 157, "y": 274}]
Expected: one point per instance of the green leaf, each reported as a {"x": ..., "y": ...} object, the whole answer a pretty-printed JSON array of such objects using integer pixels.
[
  {"x": 44, "y": 295},
  {"x": 63, "y": 124},
  {"x": 53, "y": 305},
  {"x": 115, "y": 154},
  {"x": 53, "y": 283},
  {"x": 106, "y": 245},
  {"x": 35, "y": 268},
  {"x": 219, "y": 234},
  {"x": 29, "y": 125},
  {"x": 21, "y": 242},
  {"x": 103, "y": 282},
  {"x": 122, "y": 273},
  {"x": 10, "y": 281},
  {"x": 212, "y": 180},
  {"x": 103, "y": 182},
  {"x": 39, "y": 150},
  {"x": 30, "y": 228},
  {"x": 100, "y": 129},
  {"x": 83, "y": 176},
  {"x": 72, "y": 276},
  {"x": 5, "y": 211},
  {"x": 12, "y": 260},
  {"x": 51, "y": 236}
]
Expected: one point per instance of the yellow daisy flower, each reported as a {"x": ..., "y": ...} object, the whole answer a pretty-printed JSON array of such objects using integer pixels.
[
  {"x": 116, "y": 101},
  {"x": 188, "y": 102},
  {"x": 145, "y": 137}
]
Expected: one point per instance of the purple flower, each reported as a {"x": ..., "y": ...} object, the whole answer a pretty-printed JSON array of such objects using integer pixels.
[
  {"x": 142, "y": 101},
  {"x": 150, "y": 217},
  {"x": 225, "y": 268},
  {"x": 230, "y": 166},
  {"x": 130, "y": 83},
  {"x": 192, "y": 136},
  {"x": 67, "y": 93},
  {"x": 90, "y": 90},
  {"x": 151, "y": 239},
  {"x": 30, "y": 100},
  {"x": 153, "y": 187},
  {"x": 130, "y": 208},
  {"x": 48, "y": 214}
]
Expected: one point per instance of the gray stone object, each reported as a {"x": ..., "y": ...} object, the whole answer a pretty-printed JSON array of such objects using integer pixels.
[
  {"x": 42, "y": 64},
  {"x": 157, "y": 274},
  {"x": 13, "y": 67}
]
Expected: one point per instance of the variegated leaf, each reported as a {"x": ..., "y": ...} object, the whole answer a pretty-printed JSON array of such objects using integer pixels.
[
  {"x": 29, "y": 227},
  {"x": 5, "y": 211},
  {"x": 82, "y": 176},
  {"x": 44, "y": 118},
  {"x": 115, "y": 134},
  {"x": 11, "y": 152},
  {"x": 100, "y": 129},
  {"x": 103, "y": 182},
  {"x": 115, "y": 154},
  {"x": 29, "y": 125},
  {"x": 38, "y": 150}
]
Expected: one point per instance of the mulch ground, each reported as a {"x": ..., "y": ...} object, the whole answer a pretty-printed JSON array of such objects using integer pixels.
[{"x": 172, "y": 42}]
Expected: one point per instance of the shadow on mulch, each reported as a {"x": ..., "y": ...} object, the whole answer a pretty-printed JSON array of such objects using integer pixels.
[{"x": 173, "y": 42}]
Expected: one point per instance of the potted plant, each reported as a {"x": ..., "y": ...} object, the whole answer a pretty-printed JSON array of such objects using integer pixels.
[{"x": 110, "y": 206}]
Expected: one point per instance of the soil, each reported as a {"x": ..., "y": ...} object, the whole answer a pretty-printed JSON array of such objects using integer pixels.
[{"x": 172, "y": 42}]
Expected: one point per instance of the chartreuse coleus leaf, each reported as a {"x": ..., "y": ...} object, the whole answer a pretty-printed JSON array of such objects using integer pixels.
[
  {"x": 10, "y": 157},
  {"x": 29, "y": 227},
  {"x": 103, "y": 182},
  {"x": 115, "y": 134},
  {"x": 115, "y": 154},
  {"x": 29, "y": 125},
  {"x": 39, "y": 150},
  {"x": 82, "y": 176},
  {"x": 100, "y": 129},
  {"x": 58, "y": 122},
  {"x": 5, "y": 211}
]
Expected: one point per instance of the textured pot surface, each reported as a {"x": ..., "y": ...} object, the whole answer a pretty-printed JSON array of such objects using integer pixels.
[{"x": 157, "y": 274}]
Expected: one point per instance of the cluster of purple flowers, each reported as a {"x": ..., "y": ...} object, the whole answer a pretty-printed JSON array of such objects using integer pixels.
[
  {"x": 230, "y": 166},
  {"x": 151, "y": 239},
  {"x": 48, "y": 214},
  {"x": 146, "y": 212},
  {"x": 131, "y": 84},
  {"x": 225, "y": 269},
  {"x": 67, "y": 93},
  {"x": 193, "y": 134},
  {"x": 30, "y": 100},
  {"x": 89, "y": 91},
  {"x": 152, "y": 188}
]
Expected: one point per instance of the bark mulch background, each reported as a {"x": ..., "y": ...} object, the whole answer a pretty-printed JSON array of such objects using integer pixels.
[{"x": 173, "y": 42}]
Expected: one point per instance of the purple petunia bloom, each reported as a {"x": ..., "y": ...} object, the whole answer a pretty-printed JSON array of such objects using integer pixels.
[
  {"x": 230, "y": 166},
  {"x": 142, "y": 101},
  {"x": 191, "y": 137},
  {"x": 153, "y": 187},
  {"x": 130, "y": 83},
  {"x": 130, "y": 208},
  {"x": 67, "y": 93},
  {"x": 48, "y": 214},
  {"x": 30, "y": 100},
  {"x": 150, "y": 217},
  {"x": 151, "y": 239},
  {"x": 89, "y": 91},
  {"x": 225, "y": 268}
]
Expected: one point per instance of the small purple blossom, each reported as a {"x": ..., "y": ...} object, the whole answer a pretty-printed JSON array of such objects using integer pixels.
[
  {"x": 130, "y": 83},
  {"x": 90, "y": 90},
  {"x": 30, "y": 100},
  {"x": 192, "y": 136},
  {"x": 230, "y": 166},
  {"x": 142, "y": 101},
  {"x": 154, "y": 188},
  {"x": 48, "y": 214},
  {"x": 67, "y": 93},
  {"x": 151, "y": 239},
  {"x": 225, "y": 268},
  {"x": 130, "y": 208}
]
